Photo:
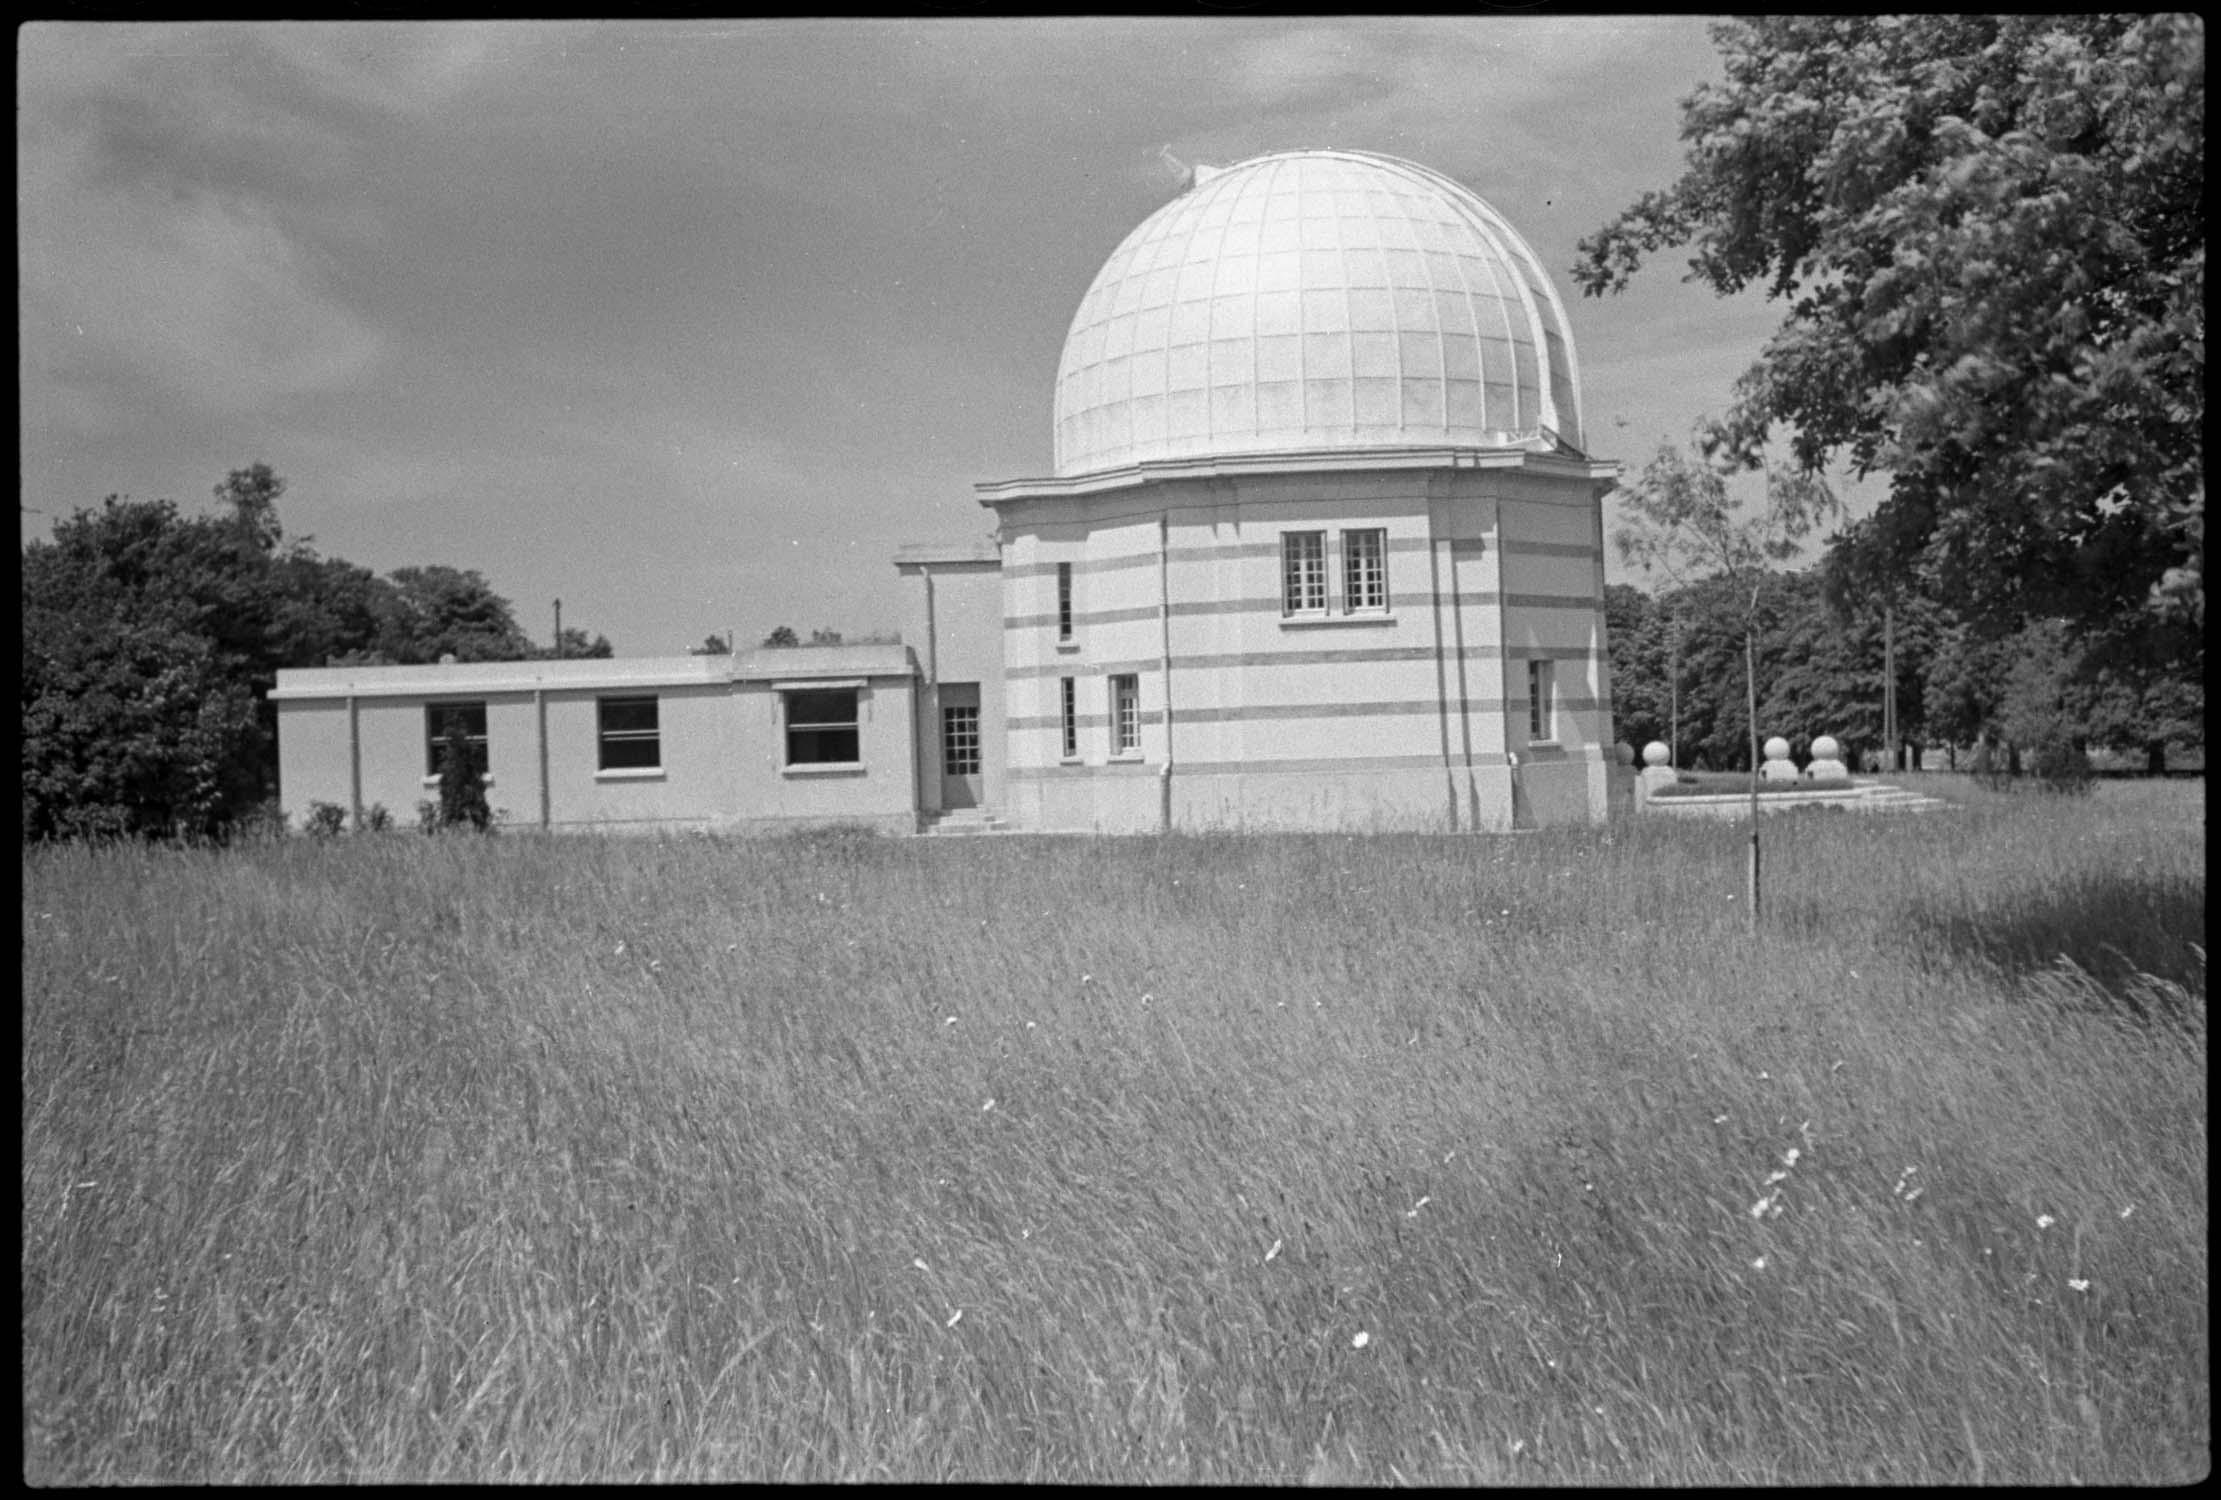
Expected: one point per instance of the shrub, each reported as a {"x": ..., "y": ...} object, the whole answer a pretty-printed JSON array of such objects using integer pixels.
[
  {"x": 376, "y": 819},
  {"x": 462, "y": 782},
  {"x": 427, "y": 817},
  {"x": 263, "y": 823},
  {"x": 326, "y": 820},
  {"x": 2057, "y": 764}
]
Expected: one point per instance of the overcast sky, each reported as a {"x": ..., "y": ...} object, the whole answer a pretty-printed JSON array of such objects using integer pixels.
[{"x": 691, "y": 324}]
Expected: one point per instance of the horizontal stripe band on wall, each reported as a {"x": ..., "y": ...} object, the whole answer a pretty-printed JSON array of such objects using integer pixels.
[
  {"x": 1184, "y": 556},
  {"x": 1083, "y": 671},
  {"x": 1355, "y": 765},
  {"x": 1270, "y": 608},
  {"x": 1264, "y": 712}
]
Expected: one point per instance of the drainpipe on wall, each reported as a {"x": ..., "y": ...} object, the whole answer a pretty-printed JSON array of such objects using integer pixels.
[
  {"x": 928, "y": 720},
  {"x": 540, "y": 726},
  {"x": 1164, "y": 646},
  {"x": 354, "y": 760},
  {"x": 1439, "y": 558}
]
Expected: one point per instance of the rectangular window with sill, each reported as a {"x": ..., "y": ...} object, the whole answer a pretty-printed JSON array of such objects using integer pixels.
[
  {"x": 1303, "y": 572},
  {"x": 823, "y": 727},
  {"x": 1069, "y": 718},
  {"x": 1365, "y": 571},
  {"x": 1542, "y": 700},
  {"x": 471, "y": 714},
  {"x": 631, "y": 736},
  {"x": 1064, "y": 601},
  {"x": 1125, "y": 714}
]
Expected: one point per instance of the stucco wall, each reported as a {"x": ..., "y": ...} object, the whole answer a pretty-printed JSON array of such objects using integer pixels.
[
  {"x": 1356, "y": 719},
  {"x": 722, "y": 750},
  {"x": 959, "y": 638}
]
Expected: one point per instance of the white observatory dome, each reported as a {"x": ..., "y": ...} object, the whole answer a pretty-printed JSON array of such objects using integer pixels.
[{"x": 1315, "y": 299}]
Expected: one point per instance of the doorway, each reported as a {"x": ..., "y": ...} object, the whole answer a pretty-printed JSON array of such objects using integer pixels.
[{"x": 960, "y": 747}]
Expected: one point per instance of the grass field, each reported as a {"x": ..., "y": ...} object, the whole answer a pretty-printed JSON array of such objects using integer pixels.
[{"x": 1197, "y": 1158}]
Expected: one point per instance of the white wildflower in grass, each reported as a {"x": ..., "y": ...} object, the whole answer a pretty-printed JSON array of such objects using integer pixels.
[
  {"x": 951, "y": 1021},
  {"x": 984, "y": 1108},
  {"x": 620, "y": 950},
  {"x": 1087, "y": 979},
  {"x": 1029, "y": 1026},
  {"x": 2045, "y": 1221},
  {"x": 655, "y": 966},
  {"x": 1789, "y": 1157},
  {"x": 1413, "y": 1211},
  {"x": 2128, "y": 1210},
  {"x": 1363, "y": 1338},
  {"x": 955, "y": 1318},
  {"x": 1275, "y": 1250},
  {"x": 921, "y": 1265},
  {"x": 1719, "y": 1119},
  {"x": 1759, "y": 1264},
  {"x": 1146, "y": 997},
  {"x": 2079, "y": 1286},
  {"x": 1758, "y": 1209}
]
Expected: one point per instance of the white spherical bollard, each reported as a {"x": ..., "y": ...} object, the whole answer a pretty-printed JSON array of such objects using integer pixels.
[
  {"x": 1656, "y": 754},
  {"x": 1777, "y": 748},
  {"x": 1624, "y": 754},
  {"x": 1827, "y": 763}
]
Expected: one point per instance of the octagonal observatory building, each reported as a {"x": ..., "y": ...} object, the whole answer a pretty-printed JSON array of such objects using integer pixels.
[{"x": 1324, "y": 547}]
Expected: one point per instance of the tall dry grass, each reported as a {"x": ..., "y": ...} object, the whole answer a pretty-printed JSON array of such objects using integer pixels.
[{"x": 1209, "y": 1158}]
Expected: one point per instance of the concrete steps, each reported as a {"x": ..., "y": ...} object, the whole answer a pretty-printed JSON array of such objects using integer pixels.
[
  {"x": 962, "y": 821},
  {"x": 1882, "y": 797}
]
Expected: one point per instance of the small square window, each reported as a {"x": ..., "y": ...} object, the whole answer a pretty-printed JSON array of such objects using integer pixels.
[
  {"x": 1542, "y": 700},
  {"x": 1125, "y": 714},
  {"x": 631, "y": 738},
  {"x": 1364, "y": 570},
  {"x": 1302, "y": 572},
  {"x": 437, "y": 717},
  {"x": 823, "y": 728}
]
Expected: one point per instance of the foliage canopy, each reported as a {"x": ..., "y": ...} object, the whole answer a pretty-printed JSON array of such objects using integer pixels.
[{"x": 1989, "y": 235}]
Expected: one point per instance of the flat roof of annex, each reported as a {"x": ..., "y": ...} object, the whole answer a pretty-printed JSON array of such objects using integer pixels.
[{"x": 776, "y": 664}]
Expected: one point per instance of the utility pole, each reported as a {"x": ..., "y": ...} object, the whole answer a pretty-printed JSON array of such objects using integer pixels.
[{"x": 559, "y": 627}]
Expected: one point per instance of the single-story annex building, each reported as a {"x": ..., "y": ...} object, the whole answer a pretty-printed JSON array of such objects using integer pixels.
[{"x": 1323, "y": 548}]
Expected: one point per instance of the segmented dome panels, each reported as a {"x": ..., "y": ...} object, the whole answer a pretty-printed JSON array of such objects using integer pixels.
[{"x": 1315, "y": 299}]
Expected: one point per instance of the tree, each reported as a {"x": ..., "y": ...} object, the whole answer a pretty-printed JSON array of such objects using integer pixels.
[
  {"x": 782, "y": 635},
  {"x": 1635, "y": 638},
  {"x": 1989, "y": 236},
  {"x": 1682, "y": 519},
  {"x": 825, "y": 637},
  {"x": 712, "y": 645},
  {"x": 441, "y": 611},
  {"x": 574, "y": 644},
  {"x": 251, "y": 494},
  {"x": 134, "y": 721}
]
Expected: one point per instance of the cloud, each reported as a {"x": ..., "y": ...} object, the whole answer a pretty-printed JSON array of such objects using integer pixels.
[
  {"x": 405, "y": 67},
  {"x": 198, "y": 293},
  {"x": 179, "y": 189}
]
